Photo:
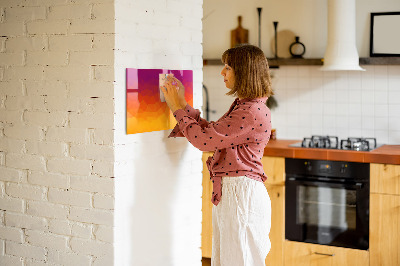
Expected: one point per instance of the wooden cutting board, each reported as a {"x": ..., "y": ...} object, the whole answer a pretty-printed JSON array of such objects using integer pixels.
[{"x": 239, "y": 35}]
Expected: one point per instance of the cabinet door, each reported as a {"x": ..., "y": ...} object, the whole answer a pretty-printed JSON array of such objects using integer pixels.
[
  {"x": 304, "y": 254},
  {"x": 206, "y": 226},
  {"x": 385, "y": 178},
  {"x": 384, "y": 230},
  {"x": 277, "y": 233},
  {"x": 274, "y": 168}
]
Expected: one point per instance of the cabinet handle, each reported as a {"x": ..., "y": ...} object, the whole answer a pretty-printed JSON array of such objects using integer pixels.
[{"x": 325, "y": 254}]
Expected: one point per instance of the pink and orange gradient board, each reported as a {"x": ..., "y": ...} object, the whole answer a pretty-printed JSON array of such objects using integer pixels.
[{"x": 145, "y": 111}]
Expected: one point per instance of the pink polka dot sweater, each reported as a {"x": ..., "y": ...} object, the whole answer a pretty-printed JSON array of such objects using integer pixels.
[{"x": 238, "y": 139}]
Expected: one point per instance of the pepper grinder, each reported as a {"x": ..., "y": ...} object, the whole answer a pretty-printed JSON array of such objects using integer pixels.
[{"x": 276, "y": 38}]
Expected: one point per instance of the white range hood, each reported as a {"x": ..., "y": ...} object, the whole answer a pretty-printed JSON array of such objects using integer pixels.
[{"x": 341, "y": 51}]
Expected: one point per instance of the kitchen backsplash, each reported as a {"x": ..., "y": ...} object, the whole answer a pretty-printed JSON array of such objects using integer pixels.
[{"x": 314, "y": 102}]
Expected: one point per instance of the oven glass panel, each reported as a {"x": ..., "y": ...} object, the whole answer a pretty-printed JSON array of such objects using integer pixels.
[{"x": 326, "y": 207}]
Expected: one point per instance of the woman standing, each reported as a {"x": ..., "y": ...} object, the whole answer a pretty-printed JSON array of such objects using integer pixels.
[{"x": 242, "y": 208}]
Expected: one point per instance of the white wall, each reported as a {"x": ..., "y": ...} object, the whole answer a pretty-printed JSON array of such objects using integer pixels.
[
  {"x": 305, "y": 18},
  {"x": 344, "y": 103},
  {"x": 63, "y": 140},
  {"x": 312, "y": 102},
  {"x": 158, "y": 180},
  {"x": 56, "y": 132}
]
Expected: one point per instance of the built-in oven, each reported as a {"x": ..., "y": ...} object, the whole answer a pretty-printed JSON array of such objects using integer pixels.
[{"x": 327, "y": 202}]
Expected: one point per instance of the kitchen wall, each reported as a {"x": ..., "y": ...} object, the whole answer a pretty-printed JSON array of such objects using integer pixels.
[
  {"x": 342, "y": 103},
  {"x": 313, "y": 102},
  {"x": 56, "y": 132},
  {"x": 304, "y": 18},
  {"x": 158, "y": 180},
  {"x": 345, "y": 103},
  {"x": 63, "y": 142}
]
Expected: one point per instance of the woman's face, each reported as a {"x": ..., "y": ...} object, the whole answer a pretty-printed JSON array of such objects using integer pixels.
[{"x": 229, "y": 76}]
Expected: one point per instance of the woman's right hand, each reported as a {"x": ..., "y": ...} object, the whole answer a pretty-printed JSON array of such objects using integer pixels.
[{"x": 181, "y": 91}]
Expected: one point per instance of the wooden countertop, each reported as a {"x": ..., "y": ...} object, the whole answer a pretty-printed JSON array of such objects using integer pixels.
[{"x": 389, "y": 154}]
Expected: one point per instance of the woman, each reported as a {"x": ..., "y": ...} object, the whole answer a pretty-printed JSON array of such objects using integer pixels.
[{"x": 242, "y": 207}]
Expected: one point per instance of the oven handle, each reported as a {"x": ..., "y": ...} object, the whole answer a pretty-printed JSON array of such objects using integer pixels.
[
  {"x": 357, "y": 185},
  {"x": 324, "y": 254}
]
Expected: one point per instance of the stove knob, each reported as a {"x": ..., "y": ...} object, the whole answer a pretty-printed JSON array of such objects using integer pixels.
[
  {"x": 343, "y": 168},
  {"x": 308, "y": 166}
]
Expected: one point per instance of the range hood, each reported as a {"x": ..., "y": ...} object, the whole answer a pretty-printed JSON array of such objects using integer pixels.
[{"x": 341, "y": 51}]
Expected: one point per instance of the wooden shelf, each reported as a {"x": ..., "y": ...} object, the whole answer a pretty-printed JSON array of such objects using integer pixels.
[
  {"x": 274, "y": 63},
  {"x": 212, "y": 62},
  {"x": 380, "y": 61}
]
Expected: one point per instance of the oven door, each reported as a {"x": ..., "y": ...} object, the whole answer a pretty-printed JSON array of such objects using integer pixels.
[{"x": 327, "y": 213}]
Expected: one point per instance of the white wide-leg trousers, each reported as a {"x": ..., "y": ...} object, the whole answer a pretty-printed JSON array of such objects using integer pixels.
[{"x": 241, "y": 223}]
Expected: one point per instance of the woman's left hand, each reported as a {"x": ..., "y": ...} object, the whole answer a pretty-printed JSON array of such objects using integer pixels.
[{"x": 171, "y": 95}]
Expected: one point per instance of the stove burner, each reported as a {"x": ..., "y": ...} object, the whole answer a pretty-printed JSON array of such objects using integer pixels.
[
  {"x": 358, "y": 144},
  {"x": 328, "y": 142},
  {"x": 332, "y": 142}
]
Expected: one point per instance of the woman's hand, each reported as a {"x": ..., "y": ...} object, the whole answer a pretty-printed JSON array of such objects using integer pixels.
[
  {"x": 181, "y": 91},
  {"x": 172, "y": 90}
]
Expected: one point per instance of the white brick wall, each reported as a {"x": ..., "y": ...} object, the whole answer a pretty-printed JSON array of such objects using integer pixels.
[
  {"x": 47, "y": 210},
  {"x": 56, "y": 132},
  {"x": 25, "y": 221},
  {"x": 25, "y": 251},
  {"x": 68, "y": 258},
  {"x": 156, "y": 177},
  {"x": 62, "y": 138},
  {"x": 11, "y": 233}
]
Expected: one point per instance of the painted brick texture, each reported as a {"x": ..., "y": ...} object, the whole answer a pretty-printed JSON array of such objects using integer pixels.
[
  {"x": 62, "y": 135},
  {"x": 157, "y": 180},
  {"x": 56, "y": 132}
]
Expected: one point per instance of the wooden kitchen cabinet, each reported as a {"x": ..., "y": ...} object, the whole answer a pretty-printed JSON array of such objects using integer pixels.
[
  {"x": 305, "y": 254},
  {"x": 385, "y": 178},
  {"x": 274, "y": 168},
  {"x": 277, "y": 233},
  {"x": 206, "y": 225},
  {"x": 384, "y": 236}
]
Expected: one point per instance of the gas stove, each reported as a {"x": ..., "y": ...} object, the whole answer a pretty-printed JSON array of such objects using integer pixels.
[{"x": 332, "y": 142}]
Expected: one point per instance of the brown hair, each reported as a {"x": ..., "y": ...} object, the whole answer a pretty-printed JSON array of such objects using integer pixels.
[{"x": 250, "y": 66}]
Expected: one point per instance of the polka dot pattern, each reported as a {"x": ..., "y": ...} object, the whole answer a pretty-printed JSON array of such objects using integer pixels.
[{"x": 238, "y": 139}]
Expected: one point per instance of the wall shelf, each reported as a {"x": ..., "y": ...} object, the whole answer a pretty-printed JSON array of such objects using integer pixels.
[
  {"x": 380, "y": 61},
  {"x": 274, "y": 63}
]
